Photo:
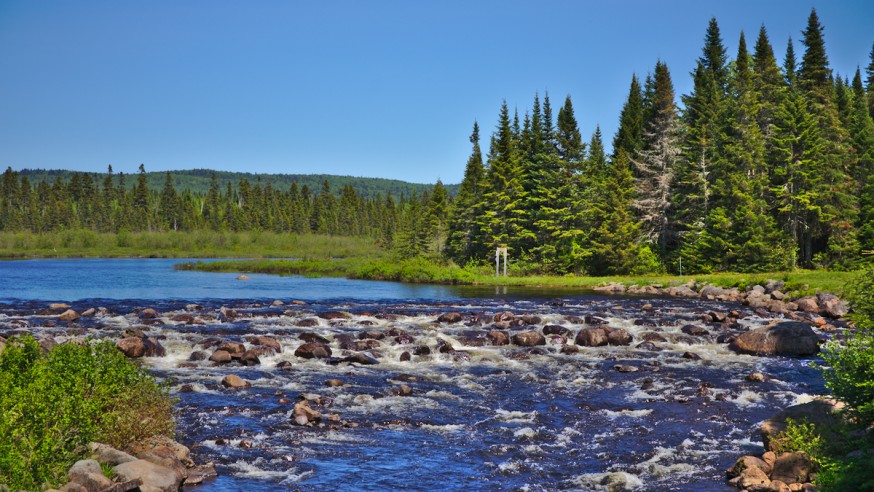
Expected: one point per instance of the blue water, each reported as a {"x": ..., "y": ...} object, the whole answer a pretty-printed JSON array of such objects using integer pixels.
[{"x": 71, "y": 280}]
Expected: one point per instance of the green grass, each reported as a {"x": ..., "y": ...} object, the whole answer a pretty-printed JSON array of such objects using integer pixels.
[
  {"x": 424, "y": 271},
  {"x": 172, "y": 244}
]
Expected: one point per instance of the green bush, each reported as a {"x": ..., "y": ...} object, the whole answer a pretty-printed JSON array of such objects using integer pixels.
[{"x": 53, "y": 404}]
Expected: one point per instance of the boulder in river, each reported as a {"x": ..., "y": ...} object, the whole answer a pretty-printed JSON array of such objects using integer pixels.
[
  {"x": 807, "y": 304},
  {"x": 592, "y": 337},
  {"x": 135, "y": 347},
  {"x": 793, "y": 467},
  {"x": 451, "y": 317},
  {"x": 313, "y": 351},
  {"x": 220, "y": 357},
  {"x": 235, "y": 382},
  {"x": 529, "y": 339},
  {"x": 304, "y": 415},
  {"x": 153, "y": 477},
  {"x": 497, "y": 337},
  {"x": 69, "y": 315},
  {"x": 265, "y": 341},
  {"x": 618, "y": 336},
  {"x": 790, "y": 338}
]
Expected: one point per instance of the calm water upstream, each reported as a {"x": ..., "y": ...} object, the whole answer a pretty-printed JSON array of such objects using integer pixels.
[{"x": 480, "y": 416}]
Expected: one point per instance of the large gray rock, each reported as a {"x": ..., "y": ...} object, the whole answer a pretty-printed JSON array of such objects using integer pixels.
[
  {"x": 820, "y": 412},
  {"x": 89, "y": 475},
  {"x": 154, "y": 478},
  {"x": 108, "y": 455},
  {"x": 592, "y": 337},
  {"x": 529, "y": 339},
  {"x": 790, "y": 338},
  {"x": 793, "y": 467}
]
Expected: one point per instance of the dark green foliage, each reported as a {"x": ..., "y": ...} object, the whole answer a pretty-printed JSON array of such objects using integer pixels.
[
  {"x": 53, "y": 404},
  {"x": 629, "y": 137}
]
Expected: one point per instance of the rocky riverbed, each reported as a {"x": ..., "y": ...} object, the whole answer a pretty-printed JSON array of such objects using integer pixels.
[{"x": 648, "y": 392}]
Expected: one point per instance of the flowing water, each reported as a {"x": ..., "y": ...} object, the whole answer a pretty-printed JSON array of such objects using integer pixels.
[{"x": 480, "y": 417}]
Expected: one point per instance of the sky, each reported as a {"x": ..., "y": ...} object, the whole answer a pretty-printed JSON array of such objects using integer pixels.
[{"x": 385, "y": 89}]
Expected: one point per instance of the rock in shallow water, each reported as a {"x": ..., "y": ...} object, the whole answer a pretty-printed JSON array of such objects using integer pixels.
[
  {"x": 313, "y": 351},
  {"x": 790, "y": 338}
]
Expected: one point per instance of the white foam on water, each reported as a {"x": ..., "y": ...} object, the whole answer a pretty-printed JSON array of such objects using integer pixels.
[
  {"x": 525, "y": 432},
  {"x": 608, "y": 481},
  {"x": 444, "y": 395},
  {"x": 612, "y": 415},
  {"x": 746, "y": 398},
  {"x": 515, "y": 416},
  {"x": 566, "y": 437},
  {"x": 803, "y": 398},
  {"x": 333, "y": 437},
  {"x": 255, "y": 469},
  {"x": 448, "y": 428}
]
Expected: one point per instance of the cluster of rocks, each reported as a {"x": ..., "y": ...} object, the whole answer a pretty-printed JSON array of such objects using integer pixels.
[
  {"x": 768, "y": 297},
  {"x": 789, "y": 471},
  {"x": 156, "y": 465}
]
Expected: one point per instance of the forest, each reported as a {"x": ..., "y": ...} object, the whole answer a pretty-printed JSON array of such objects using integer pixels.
[{"x": 764, "y": 166}]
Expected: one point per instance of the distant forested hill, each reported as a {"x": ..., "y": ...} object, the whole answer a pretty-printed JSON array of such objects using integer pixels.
[{"x": 197, "y": 181}]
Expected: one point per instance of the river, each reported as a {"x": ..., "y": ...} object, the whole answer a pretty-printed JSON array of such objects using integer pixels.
[{"x": 480, "y": 417}]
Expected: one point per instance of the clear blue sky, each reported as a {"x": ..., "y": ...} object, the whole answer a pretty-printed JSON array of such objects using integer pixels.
[{"x": 366, "y": 88}]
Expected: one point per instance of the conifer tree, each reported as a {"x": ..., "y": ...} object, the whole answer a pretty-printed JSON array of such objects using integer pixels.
[
  {"x": 170, "y": 206},
  {"x": 629, "y": 137},
  {"x": 656, "y": 163},
  {"x": 462, "y": 242},
  {"x": 869, "y": 84},
  {"x": 613, "y": 247},
  {"x": 862, "y": 133}
]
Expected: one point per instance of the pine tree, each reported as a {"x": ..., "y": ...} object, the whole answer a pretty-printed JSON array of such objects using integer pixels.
[
  {"x": 656, "y": 162},
  {"x": 862, "y": 134},
  {"x": 629, "y": 137},
  {"x": 869, "y": 84},
  {"x": 211, "y": 206},
  {"x": 768, "y": 82},
  {"x": 462, "y": 242},
  {"x": 613, "y": 247},
  {"x": 170, "y": 206}
]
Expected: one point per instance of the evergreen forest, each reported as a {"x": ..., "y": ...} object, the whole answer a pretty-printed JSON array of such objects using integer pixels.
[{"x": 766, "y": 165}]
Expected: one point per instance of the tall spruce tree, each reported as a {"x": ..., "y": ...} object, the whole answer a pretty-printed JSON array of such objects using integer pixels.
[
  {"x": 862, "y": 133},
  {"x": 462, "y": 242},
  {"x": 656, "y": 163},
  {"x": 869, "y": 84},
  {"x": 629, "y": 137}
]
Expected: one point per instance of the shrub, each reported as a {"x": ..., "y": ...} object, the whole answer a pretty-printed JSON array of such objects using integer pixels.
[{"x": 53, "y": 404}]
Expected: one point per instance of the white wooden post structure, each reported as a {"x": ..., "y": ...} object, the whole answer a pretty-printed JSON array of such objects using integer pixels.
[{"x": 498, "y": 252}]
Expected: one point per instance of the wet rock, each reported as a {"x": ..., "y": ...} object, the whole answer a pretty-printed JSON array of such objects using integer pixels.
[
  {"x": 505, "y": 316},
  {"x": 529, "y": 339},
  {"x": 243, "y": 277},
  {"x": 460, "y": 356},
  {"x": 59, "y": 306},
  {"x": 681, "y": 291},
  {"x": 789, "y": 338},
  {"x": 334, "y": 383},
  {"x": 619, "y": 336},
  {"x": 304, "y": 415},
  {"x": 422, "y": 350},
  {"x": 307, "y": 322},
  {"x": 284, "y": 365},
  {"x": 360, "y": 358},
  {"x": 472, "y": 341},
  {"x": 820, "y": 413},
  {"x": 557, "y": 340},
  {"x": 331, "y": 315},
  {"x": 592, "y": 337},
  {"x": 691, "y": 356},
  {"x": 69, "y": 315},
  {"x": 154, "y": 478},
  {"x": 556, "y": 330},
  {"x": 265, "y": 341},
  {"x": 726, "y": 338},
  {"x": 186, "y": 318},
  {"x": 611, "y": 288},
  {"x": 310, "y": 337},
  {"x": 233, "y": 381},
  {"x": 135, "y": 348},
  {"x": 226, "y": 314},
  {"x": 530, "y": 319},
  {"x": 756, "y": 377},
  {"x": 221, "y": 357},
  {"x": 277, "y": 303},
  {"x": 251, "y": 357},
  {"x": 451, "y": 317},
  {"x": 236, "y": 349},
  {"x": 648, "y": 346},
  {"x": 793, "y": 467},
  {"x": 313, "y": 351},
  {"x": 88, "y": 474},
  {"x": 651, "y": 336},
  {"x": 569, "y": 349},
  {"x": 405, "y": 356},
  {"x": 404, "y": 339},
  {"x": 148, "y": 313},
  {"x": 402, "y": 390},
  {"x": 694, "y": 330},
  {"x": 358, "y": 345},
  {"x": 371, "y": 334},
  {"x": 625, "y": 368}
]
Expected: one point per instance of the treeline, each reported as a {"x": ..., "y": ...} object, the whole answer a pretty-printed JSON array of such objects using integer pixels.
[
  {"x": 765, "y": 167},
  {"x": 408, "y": 224},
  {"x": 199, "y": 181}
]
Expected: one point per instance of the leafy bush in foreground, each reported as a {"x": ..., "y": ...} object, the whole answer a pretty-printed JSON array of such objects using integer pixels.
[{"x": 52, "y": 404}]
